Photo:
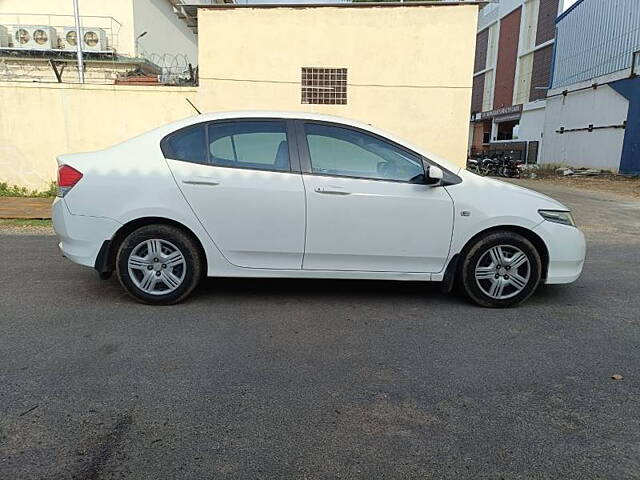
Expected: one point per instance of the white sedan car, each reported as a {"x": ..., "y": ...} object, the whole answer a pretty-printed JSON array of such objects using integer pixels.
[{"x": 282, "y": 194}]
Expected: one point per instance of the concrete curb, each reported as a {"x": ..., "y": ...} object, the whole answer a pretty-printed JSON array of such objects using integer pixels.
[{"x": 25, "y": 208}]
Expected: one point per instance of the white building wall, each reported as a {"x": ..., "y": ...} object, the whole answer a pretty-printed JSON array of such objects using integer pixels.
[
  {"x": 567, "y": 3},
  {"x": 488, "y": 15},
  {"x": 492, "y": 59},
  {"x": 123, "y": 21},
  {"x": 166, "y": 33},
  {"x": 114, "y": 16},
  {"x": 600, "y": 107},
  {"x": 526, "y": 47},
  {"x": 532, "y": 122}
]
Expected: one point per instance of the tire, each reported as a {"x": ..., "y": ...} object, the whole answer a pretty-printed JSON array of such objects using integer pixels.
[
  {"x": 500, "y": 254},
  {"x": 159, "y": 265}
]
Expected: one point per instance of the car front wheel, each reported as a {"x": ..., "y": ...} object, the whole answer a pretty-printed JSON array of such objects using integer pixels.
[
  {"x": 501, "y": 269},
  {"x": 158, "y": 264}
]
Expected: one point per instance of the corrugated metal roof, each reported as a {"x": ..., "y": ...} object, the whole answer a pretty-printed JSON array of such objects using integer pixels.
[{"x": 595, "y": 38}]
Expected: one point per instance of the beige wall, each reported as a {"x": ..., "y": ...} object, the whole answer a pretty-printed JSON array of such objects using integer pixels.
[
  {"x": 409, "y": 67},
  {"x": 39, "y": 122}
]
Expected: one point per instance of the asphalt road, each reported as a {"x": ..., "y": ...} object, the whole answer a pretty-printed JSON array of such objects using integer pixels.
[{"x": 322, "y": 379}]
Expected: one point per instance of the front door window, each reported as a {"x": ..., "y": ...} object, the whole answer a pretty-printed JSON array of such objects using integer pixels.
[{"x": 349, "y": 153}]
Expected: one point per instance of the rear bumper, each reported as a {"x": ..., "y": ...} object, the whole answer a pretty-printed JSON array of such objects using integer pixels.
[
  {"x": 81, "y": 237},
  {"x": 567, "y": 250}
]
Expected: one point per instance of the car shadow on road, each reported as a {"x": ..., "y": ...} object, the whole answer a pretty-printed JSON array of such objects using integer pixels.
[
  {"x": 297, "y": 288},
  {"x": 216, "y": 289}
]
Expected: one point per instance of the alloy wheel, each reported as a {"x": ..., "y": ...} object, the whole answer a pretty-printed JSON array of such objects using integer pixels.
[
  {"x": 502, "y": 272},
  {"x": 156, "y": 266}
]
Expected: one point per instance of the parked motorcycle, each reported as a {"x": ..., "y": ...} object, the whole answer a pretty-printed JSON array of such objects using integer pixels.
[
  {"x": 498, "y": 165},
  {"x": 484, "y": 166}
]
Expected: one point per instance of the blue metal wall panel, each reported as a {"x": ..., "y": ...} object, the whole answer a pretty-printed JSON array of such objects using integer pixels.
[
  {"x": 595, "y": 38},
  {"x": 630, "y": 161}
]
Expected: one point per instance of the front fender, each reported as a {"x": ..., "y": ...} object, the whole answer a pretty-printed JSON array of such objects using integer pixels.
[
  {"x": 465, "y": 228},
  {"x": 464, "y": 232}
]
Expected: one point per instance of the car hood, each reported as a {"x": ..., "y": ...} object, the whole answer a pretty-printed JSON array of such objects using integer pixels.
[
  {"x": 501, "y": 195},
  {"x": 536, "y": 196}
]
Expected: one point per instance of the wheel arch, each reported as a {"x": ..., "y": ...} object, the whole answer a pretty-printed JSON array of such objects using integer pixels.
[
  {"x": 106, "y": 260},
  {"x": 453, "y": 267}
]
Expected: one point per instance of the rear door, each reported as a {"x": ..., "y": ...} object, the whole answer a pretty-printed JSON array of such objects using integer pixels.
[
  {"x": 242, "y": 179},
  {"x": 365, "y": 209}
]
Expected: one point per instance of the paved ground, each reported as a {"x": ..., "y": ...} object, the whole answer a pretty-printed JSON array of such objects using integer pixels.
[
  {"x": 24, "y": 207},
  {"x": 313, "y": 379}
]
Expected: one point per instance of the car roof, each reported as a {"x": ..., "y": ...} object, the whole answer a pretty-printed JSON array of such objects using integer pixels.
[
  {"x": 300, "y": 115},
  {"x": 279, "y": 114}
]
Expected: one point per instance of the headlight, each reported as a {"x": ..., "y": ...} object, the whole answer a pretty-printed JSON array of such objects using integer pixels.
[{"x": 558, "y": 216}]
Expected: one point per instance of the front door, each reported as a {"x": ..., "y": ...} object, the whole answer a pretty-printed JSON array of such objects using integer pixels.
[
  {"x": 243, "y": 189},
  {"x": 363, "y": 211}
]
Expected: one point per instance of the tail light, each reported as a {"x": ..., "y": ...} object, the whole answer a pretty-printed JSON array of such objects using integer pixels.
[{"x": 67, "y": 178}]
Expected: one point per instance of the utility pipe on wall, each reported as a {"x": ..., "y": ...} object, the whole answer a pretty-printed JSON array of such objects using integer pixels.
[{"x": 76, "y": 14}]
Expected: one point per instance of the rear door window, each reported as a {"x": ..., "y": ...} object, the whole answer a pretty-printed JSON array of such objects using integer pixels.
[{"x": 257, "y": 145}]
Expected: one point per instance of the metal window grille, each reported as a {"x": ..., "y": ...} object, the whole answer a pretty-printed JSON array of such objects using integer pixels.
[{"x": 327, "y": 86}]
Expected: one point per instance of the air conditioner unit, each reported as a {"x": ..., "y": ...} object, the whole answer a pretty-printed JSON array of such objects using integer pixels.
[
  {"x": 35, "y": 37},
  {"x": 93, "y": 39},
  {"x": 4, "y": 37}
]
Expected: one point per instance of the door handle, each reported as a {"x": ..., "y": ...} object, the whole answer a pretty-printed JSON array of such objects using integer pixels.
[
  {"x": 200, "y": 181},
  {"x": 332, "y": 191}
]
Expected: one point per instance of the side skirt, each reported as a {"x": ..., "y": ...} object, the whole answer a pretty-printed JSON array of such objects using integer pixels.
[{"x": 324, "y": 274}]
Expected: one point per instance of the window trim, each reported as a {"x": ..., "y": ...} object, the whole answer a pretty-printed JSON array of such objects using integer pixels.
[
  {"x": 305, "y": 154},
  {"x": 290, "y": 132}
]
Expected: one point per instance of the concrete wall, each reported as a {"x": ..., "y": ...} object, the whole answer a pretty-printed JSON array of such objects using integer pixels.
[
  {"x": 39, "y": 122},
  {"x": 600, "y": 107},
  {"x": 409, "y": 67}
]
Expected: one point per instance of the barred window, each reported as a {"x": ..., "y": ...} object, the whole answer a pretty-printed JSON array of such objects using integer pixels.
[{"x": 324, "y": 85}]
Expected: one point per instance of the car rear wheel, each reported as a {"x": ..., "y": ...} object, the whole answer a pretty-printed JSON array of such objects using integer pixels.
[
  {"x": 501, "y": 269},
  {"x": 159, "y": 264}
]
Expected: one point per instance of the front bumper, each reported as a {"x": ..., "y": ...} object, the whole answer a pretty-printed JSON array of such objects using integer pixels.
[
  {"x": 567, "y": 250},
  {"x": 81, "y": 236}
]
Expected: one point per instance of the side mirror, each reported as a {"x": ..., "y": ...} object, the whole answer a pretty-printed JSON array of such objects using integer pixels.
[{"x": 434, "y": 175}]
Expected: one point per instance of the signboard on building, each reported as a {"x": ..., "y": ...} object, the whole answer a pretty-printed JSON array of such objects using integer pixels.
[{"x": 504, "y": 114}]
